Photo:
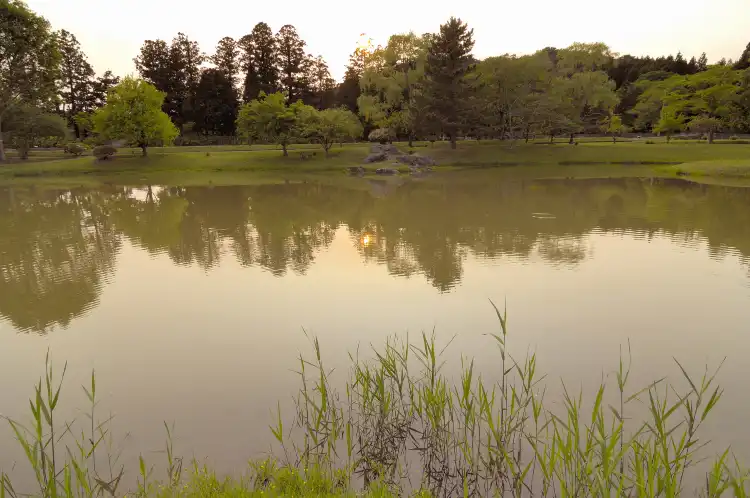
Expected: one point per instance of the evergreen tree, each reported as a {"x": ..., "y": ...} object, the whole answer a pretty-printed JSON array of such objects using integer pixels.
[
  {"x": 216, "y": 103},
  {"x": 292, "y": 62},
  {"x": 744, "y": 61},
  {"x": 702, "y": 63},
  {"x": 445, "y": 87},
  {"x": 174, "y": 70},
  {"x": 226, "y": 58},
  {"x": 101, "y": 86},
  {"x": 259, "y": 61},
  {"x": 76, "y": 78},
  {"x": 321, "y": 87}
]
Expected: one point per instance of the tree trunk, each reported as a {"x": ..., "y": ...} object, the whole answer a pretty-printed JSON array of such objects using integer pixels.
[
  {"x": 2, "y": 146},
  {"x": 614, "y": 139},
  {"x": 552, "y": 138},
  {"x": 283, "y": 148},
  {"x": 710, "y": 136},
  {"x": 572, "y": 139},
  {"x": 453, "y": 140},
  {"x": 144, "y": 151},
  {"x": 411, "y": 140}
]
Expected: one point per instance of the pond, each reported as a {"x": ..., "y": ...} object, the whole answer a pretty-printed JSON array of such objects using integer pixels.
[{"x": 193, "y": 304}]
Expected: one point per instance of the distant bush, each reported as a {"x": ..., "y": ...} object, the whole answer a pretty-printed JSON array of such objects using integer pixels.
[
  {"x": 650, "y": 142},
  {"x": 75, "y": 148},
  {"x": 104, "y": 152},
  {"x": 382, "y": 135},
  {"x": 734, "y": 137}
]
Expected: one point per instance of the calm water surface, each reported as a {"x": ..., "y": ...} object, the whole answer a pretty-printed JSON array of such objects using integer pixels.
[{"x": 190, "y": 303}]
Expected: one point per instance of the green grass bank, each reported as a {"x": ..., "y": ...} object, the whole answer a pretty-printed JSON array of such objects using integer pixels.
[
  {"x": 403, "y": 427},
  {"x": 727, "y": 163}
]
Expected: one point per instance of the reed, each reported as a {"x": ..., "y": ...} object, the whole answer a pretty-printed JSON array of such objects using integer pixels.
[{"x": 400, "y": 427}]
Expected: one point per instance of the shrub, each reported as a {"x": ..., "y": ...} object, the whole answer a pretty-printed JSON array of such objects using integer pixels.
[
  {"x": 104, "y": 152},
  {"x": 650, "y": 142},
  {"x": 382, "y": 135},
  {"x": 75, "y": 148},
  {"x": 734, "y": 137}
]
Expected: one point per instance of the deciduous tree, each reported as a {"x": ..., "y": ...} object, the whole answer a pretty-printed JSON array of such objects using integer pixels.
[
  {"x": 27, "y": 124},
  {"x": 270, "y": 118},
  {"x": 330, "y": 126},
  {"x": 133, "y": 113},
  {"x": 29, "y": 60},
  {"x": 391, "y": 78}
]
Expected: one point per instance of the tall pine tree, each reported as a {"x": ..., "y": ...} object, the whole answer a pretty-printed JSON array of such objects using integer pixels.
[
  {"x": 744, "y": 61},
  {"x": 175, "y": 70},
  {"x": 215, "y": 103},
  {"x": 445, "y": 88},
  {"x": 259, "y": 62},
  {"x": 292, "y": 62},
  {"x": 76, "y": 78},
  {"x": 226, "y": 58}
]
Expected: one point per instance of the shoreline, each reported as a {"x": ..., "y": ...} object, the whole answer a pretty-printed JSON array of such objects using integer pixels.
[{"x": 718, "y": 164}]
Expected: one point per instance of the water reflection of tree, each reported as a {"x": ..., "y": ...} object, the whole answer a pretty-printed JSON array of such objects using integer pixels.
[
  {"x": 56, "y": 251},
  {"x": 56, "y": 248}
]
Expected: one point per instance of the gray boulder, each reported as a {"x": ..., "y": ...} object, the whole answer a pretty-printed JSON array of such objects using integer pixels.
[
  {"x": 417, "y": 160},
  {"x": 388, "y": 149},
  {"x": 376, "y": 157}
]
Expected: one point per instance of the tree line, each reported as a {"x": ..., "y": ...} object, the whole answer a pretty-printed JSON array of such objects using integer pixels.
[{"x": 265, "y": 86}]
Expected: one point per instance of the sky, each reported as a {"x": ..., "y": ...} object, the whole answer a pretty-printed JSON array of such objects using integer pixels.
[{"x": 111, "y": 32}]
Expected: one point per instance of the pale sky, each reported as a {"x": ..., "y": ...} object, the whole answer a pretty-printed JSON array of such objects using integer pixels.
[{"x": 112, "y": 31}]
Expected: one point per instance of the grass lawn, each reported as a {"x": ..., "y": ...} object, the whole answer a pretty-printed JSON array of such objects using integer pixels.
[{"x": 717, "y": 163}]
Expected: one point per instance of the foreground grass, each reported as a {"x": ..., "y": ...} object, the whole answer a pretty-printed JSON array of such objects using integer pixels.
[
  {"x": 402, "y": 428},
  {"x": 229, "y": 165}
]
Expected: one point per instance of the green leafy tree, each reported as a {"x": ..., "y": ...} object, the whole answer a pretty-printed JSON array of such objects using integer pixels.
[
  {"x": 512, "y": 94},
  {"x": 583, "y": 89},
  {"x": 292, "y": 62},
  {"x": 175, "y": 70},
  {"x": 270, "y": 119},
  {"x": 216, "y": 104},
  {"x": 226, "y": 58},
  {"x": 76, "y": 78},
  {"x": 27, "y": 124},
  {"x": 259, "y": 61},
  {"x": 133, "y": 113},
  {"x": 653, "y": 98},
  {"x": 449, "y": 61},
  {"x": 29, "y": 60},
  {"x": 612, "y": 125},
  {"x": 669, "y": 123},
  {"x": 330, "y": 126},
  {"x": 711, "y": 99},
  {"x": 85, "y": 122},
  {"x": 391, "y": 79}
]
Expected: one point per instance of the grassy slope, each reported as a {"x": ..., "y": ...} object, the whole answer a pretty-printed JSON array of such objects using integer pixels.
[{"x": 232, "y": 164}]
